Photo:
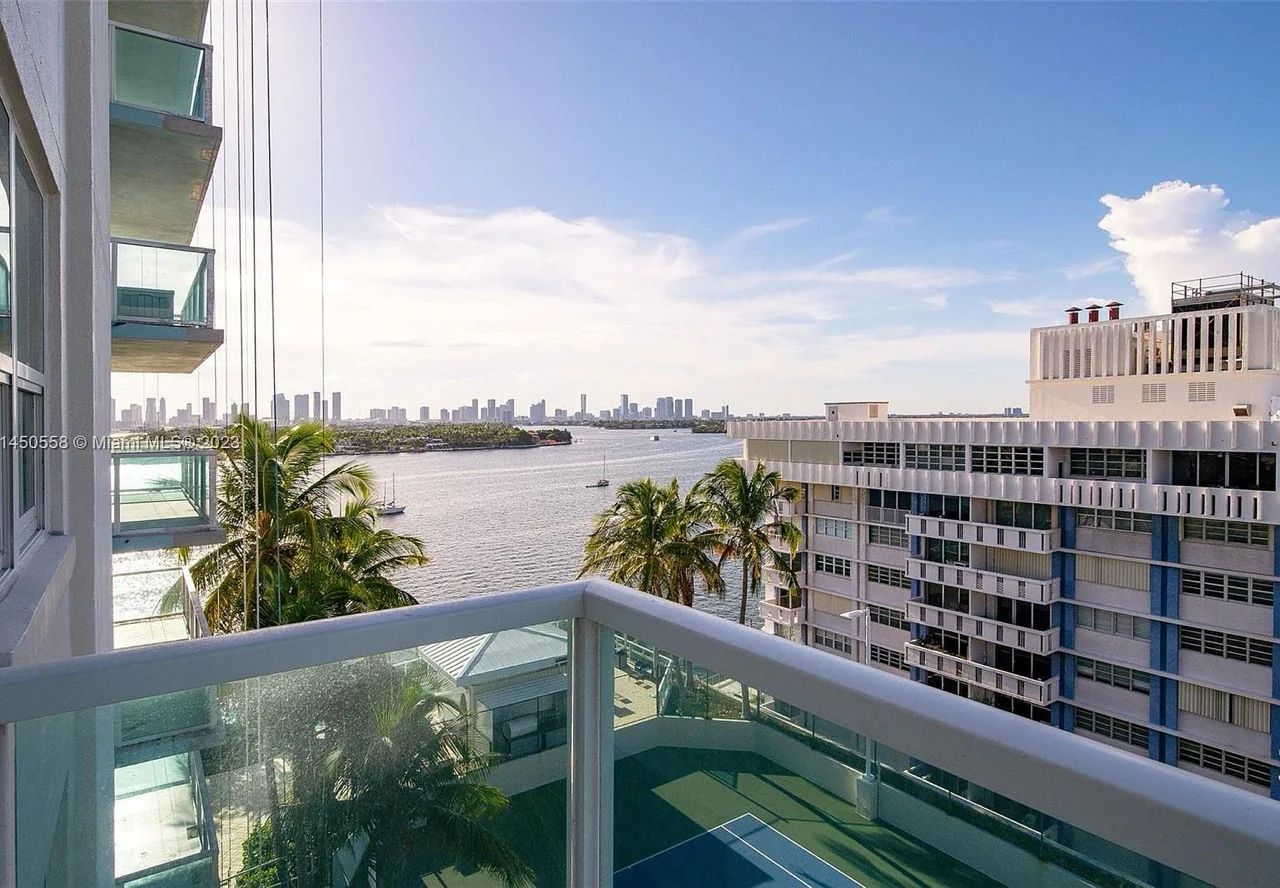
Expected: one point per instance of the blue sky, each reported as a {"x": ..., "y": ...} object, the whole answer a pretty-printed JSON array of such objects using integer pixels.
[{"x": 769, "y": 205}]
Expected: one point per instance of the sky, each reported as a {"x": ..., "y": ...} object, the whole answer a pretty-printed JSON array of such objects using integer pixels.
[{"x": 765, "y": 205}]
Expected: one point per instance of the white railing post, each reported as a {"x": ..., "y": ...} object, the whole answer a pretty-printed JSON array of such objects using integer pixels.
[{"x": 590, "y": 795}]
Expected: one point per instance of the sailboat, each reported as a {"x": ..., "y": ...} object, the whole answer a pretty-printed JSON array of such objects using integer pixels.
[
  {"x": 389, "y": 506},
  {"x": 604, "y": 473}
]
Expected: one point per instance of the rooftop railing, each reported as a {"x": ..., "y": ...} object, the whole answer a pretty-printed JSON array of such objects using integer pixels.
[{"x": 678, "y": 721}]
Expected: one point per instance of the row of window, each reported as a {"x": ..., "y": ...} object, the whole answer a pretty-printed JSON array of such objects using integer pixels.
[
  {"x": 832, "y": 564},
  {"x": 832, "y": 641},
  {"x": 1241, "y": 532},
  {"x": 1108, "y": 462},
  {"x": 872, "y": 453},
  {"x": 1244, "y": 712},
  {"x": 1226, "y": 645},
  {"x": 889, "y": 576},
  {"x": 1114, "y": 728},
  {"x": 898, "y": 500},
  {"x": 887, "y": 536},
  {"x": 952, "y": 508},
  {"x": 887, "y": 616},
  {"x": 1227, "y": 587},
  {"x": 833, "y": 527},
  {"x": 1230, "y": 763},
  {"x": 1221, "y": 468},
  {"x": 952, "y": 598},
  {"x": 936, "y": 457},
  {"x": 1008, "y": 460},
  {"x": 1034, "y": 516},
  {"x": 1111, "y": 674},
  {"x": 1111, "y": 519},
  {"x": 1112, "y": 623},
  {"x": 887, "y": 657},
  {"x": 946, "y": 552}
]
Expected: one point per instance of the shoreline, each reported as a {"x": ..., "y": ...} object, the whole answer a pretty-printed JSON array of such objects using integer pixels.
[{"x": 451, "y": 448}]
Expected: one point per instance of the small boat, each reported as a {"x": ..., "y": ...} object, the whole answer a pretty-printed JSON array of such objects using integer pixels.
[
  {"x": 389, "y": 506},
  {"x": 604, "y": 471},
  {"x": 654, "y": 438}
]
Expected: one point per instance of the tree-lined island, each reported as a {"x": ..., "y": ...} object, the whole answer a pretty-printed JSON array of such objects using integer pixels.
[{"x": 423, "y": 437}]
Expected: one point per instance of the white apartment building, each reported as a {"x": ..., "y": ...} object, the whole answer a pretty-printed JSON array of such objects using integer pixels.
[{"x": 1108, "y": 564}]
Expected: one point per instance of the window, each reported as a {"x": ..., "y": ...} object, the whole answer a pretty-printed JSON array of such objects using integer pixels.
[
  {"x": 1112, "y": 623},
  {"x": 946, "y": 552},
  {"x": 1108, "y": 462},
  {"x": 899, "y": 500},
  {"x": 1024, "y": 614},
  {"x": 887, "y": 616},
  {"x": 1239, "y": 532},
  {"x": 1225, "y": 645},
  {"x": 1233, "y": 709},
  {"x": 833, "y": 527},
  {"x": 1229, "y": 763},
  {"x": 998, "y": 460},
  {"x": 1111, "y": 727},
  {"x": 826, "y": 603},
  {"x": 1198, "y": 392},
  {"x": 955, "y": 508},
  {"x": 835, "y": 493},
  {"x": 1153, "y": 392},
  {"x": 1035, "y": 516},
  {"x": 936, "y": 457},
  {"x": 872, "y": 453},
  {"x": 832, "y": 641},
  {"x": 887, "y": 536},
  {"x": 952, "y": 643},
  {"x": 889, "y": 576},
  {"x": 1227, "y": 587},
  {"x": 950, "y": 597},
  {"x": 1104, "y": 394},
  {"x": 1113, "y": 572},
  {"x": 887, "y": 657},
  {"x": 1246, "y": 470},
  {"x": 1116, "y": 676},
  {"x": 1110, "y": 519},
  {"x": 830, "y": 564}
]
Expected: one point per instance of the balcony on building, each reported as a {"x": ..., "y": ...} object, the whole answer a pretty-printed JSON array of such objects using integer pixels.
[
  {"x": 693, "y": 744},
  {"x": 990, "y": 582},
  {"x": 165, "y": 832},
  {"x": 1036, "y": 641},
  {"x": 163, "y": 141},
  {"x": 164, "y": 317},
  {"x": 781, "y": 613},
  {"x": 997, "y": 535},
  {"x": 1040, "y": 692},
  {"x": 164, "y": 499}
]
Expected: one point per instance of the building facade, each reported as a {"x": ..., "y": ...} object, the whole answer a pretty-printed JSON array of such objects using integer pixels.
[{"x": 1108, "y": 564}]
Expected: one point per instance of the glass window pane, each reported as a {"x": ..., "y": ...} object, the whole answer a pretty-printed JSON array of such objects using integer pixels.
[
  {"x": 6, "y": 254},
  {"x": 28, "y": 246}
]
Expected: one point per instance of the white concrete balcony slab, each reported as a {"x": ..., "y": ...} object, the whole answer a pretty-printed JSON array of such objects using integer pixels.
[
  {"x": 1036, "y": 641},
  {"x": 164, "y": 318},
  {"x": 1041, "y": 693},
  {"x": 998, "y": 535},
  {"x": 975, "y": 580},
  {"x": 163, "y": 142},
  {"x": 780, "y": 615}
]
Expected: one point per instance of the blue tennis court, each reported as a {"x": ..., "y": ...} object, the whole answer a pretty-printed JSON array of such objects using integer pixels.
[{"x": 744, "y": 852}]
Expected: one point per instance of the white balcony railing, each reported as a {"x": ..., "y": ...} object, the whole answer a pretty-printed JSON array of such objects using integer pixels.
[
  {"x": 1041, "y": 693},
  {"x": 161, "y": 73},
  {"x": 1019, "y": 538},
  {"x": 1169, "y": 817},
  {"x": 777, "y": 614},
  {"x": 975, "y": 580},
  {"x": 164, "y": 284},
  {"x": 161, "y": 498},
  {"x": 1036, "y": 641}
]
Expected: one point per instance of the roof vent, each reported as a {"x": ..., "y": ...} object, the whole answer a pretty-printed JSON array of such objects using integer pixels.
[{"x": 1073, "y": 315}]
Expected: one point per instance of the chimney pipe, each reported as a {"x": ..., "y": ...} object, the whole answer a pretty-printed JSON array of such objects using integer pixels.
[
  {"x": 1073, "y": 315},
  {"x": 1093, "y": 313},
  {"x": 1113, "y": 311}
]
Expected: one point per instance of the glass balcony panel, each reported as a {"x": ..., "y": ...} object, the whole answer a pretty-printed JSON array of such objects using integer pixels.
[
  {"x": 768, "y": 793},
  {"x": 162, "y": 284},
  {"x": 312, "y": 774},
  {"x": 156, "y": 492},
  {"x": 159, "y": 73}
]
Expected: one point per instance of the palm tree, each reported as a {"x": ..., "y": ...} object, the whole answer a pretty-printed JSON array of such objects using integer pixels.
[
  {"x": 743, "y": 511},
  {"x": 302, "y": 539},
  {"x": 654, "y": 540},
  {"x": 380, "y": 763}
]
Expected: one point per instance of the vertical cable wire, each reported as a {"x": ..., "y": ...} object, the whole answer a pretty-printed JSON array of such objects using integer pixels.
[
  {"x": 323, "y": 376},
  {"x": 271, "y": 258}
]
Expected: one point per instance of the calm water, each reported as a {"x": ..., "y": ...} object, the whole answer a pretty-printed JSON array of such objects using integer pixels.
[{"x": 495, "y": 520}]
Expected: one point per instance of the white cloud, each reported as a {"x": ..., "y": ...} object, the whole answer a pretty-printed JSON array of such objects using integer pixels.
[
  {"x": 755, "y": 232},
  {"x": 887, "y": 217},
  {"x": 937, "y": 300},
  {"x": 1019, "y": 308},
  {"x": 1178, "y": 230},
  {"x": 1084, "y": 270}
]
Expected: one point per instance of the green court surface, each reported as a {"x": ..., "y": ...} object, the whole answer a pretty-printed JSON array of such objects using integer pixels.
[{"x": 666, "y": 795}]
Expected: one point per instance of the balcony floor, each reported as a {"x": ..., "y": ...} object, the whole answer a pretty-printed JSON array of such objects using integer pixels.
[
  {"x": 667, "y": 795},
  {"x": 155, "y": 815},
  {"x": 161, "y": 507},
  {"x": 153, "y": 630}
]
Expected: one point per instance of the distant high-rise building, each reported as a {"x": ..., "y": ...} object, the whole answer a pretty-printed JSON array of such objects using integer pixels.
[
  {"x": 678, "y": 406},
  {"x": 647, "y": 413},
  {"x": 208, "y": 411},
  {"x": 301, "y": 407},
  {"x": 280, "y": 407},
  {"x": 316, "y": 407},
  {"x": 561, "y": 414},
  {"x": 444, "y": 415},
  {"x": 163, "y": 416},
  {"x": 582, "y": 406},
  {"x": 424, "y": 414},
  {"x": 336, "y": 413},
  {"x": 378, "y": 414},
  {"x": 151, "y": 413},
  {"x": 398, "y": 415},
  {"x": 538, "y": 411},
  {"x": 688, "y": 408},
  {"x": 626, "y": 406},
  {"x": 706, "y": 414},
  {"x": 492, "y": 408}
]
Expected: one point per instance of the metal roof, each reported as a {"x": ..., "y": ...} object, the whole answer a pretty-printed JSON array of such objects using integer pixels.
[{"x": 484, "y": 658}]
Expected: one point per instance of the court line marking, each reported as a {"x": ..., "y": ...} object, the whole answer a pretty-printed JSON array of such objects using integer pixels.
[
  {"x": 705, "y": 832},
  {"x": 774, "y": 829},
  {"x": 766, "y": 856}
]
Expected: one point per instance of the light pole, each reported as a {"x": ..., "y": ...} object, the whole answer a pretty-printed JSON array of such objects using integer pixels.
[{"x": 858, "y": 619}]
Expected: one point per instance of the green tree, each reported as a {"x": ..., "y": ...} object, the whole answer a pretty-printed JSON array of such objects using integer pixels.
[
  {"x": 302, "y": 537},
  {"x": 654, "y": 540},
  {"x": 742, "y": 509}
]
